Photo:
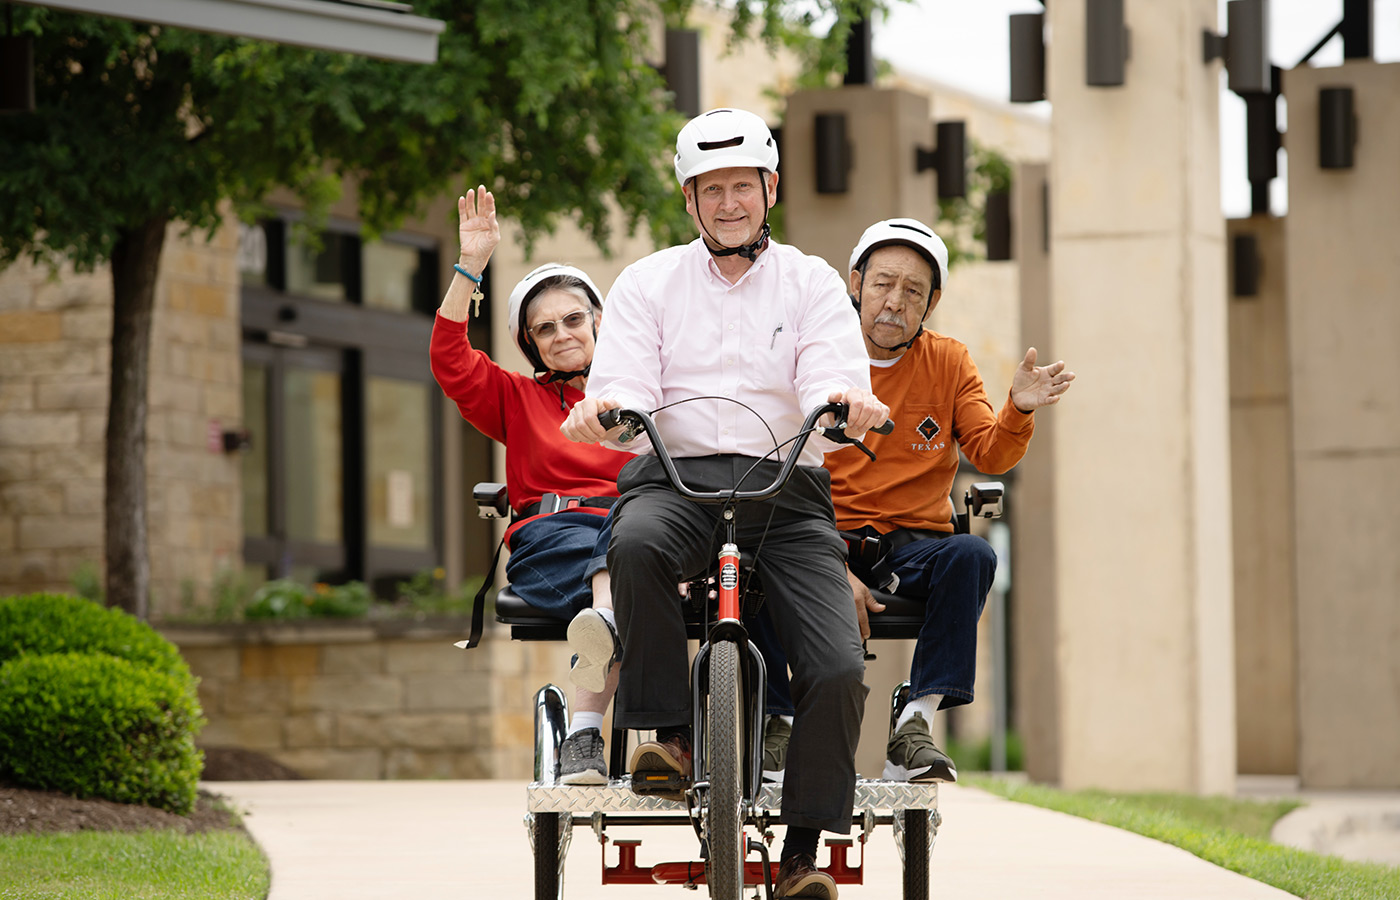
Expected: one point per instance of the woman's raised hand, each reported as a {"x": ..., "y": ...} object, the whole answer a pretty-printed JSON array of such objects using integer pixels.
[{"x": 477, "y": 229}]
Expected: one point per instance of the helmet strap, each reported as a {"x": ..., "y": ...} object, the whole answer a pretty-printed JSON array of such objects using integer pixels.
[{"x": 563, "y": 376}]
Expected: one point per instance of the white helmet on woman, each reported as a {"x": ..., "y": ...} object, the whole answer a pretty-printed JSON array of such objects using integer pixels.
[
  {"x": 721, "y": 139},
  {"x": 519, "y": 306},
  {"x": 910, "y": 233}
]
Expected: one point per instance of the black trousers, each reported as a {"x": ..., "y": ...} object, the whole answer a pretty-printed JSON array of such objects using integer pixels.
[{"x": 659, "y": 539}]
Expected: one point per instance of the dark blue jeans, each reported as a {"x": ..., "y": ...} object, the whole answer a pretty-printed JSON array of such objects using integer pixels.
[
  {"x": 553, "y": 560},
  {"x": 952, "y": 575}
]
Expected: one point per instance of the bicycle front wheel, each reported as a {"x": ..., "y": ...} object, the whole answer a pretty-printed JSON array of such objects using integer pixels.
[{"x": 724, "y": 736}]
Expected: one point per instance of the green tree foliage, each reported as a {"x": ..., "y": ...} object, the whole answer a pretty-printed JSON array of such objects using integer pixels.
[{"x": 552, "y": 105}]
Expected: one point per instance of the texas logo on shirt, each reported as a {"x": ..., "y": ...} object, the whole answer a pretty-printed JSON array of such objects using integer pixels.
[{"x": 928, "y": 429}]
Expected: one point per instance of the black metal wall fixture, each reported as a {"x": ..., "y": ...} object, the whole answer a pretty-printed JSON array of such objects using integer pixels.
[
  {"x": 1244, "y": 252},
  {"x": 1244, "y": 46},
  {"x": 1105, "y": 43},
  {"x": 948, "y": 158},
  {"x": 1027, "y": 57},
  {"x": 1262, "y": 141},
  {"x": 682, "y": 69},
  {"x": 1336, "y": 128},
  {"x": 860, "y": 54},
  {"x": 998, "y": 219},
  {"x": 1357, "y": 28},
  {"x": 833, "y": 152}
]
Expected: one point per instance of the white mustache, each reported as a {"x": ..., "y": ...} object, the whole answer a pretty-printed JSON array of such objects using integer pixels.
[{"x": 889, "y": 319}]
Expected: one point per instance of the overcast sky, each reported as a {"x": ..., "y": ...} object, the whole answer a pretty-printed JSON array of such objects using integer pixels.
[{"x": 964, "y": 43}]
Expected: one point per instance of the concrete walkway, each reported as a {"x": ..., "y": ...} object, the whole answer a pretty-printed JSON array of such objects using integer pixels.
[{"x": 434, "y": 840}]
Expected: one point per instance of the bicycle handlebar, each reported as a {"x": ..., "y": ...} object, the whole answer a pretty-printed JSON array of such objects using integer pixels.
[{"x": 637, "y": 421}]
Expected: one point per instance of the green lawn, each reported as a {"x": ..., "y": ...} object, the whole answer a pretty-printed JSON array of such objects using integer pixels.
[
  {"x": 1231, "y": 833},
  {"x": 100, "y": 865}
]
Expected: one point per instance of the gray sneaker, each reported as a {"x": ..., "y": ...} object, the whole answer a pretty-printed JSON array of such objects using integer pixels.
[
  {"x": 581, "y": 758},
  {"x": 776, "y": 734},
  {"x": 596, "y": 645},
  {"x": 912, "y": 755}
]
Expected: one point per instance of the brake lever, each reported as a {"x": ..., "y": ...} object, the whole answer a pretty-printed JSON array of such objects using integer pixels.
[{"x": 837, "y": 433}]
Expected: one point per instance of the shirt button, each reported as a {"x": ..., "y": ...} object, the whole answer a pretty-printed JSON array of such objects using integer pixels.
[
  {"x": 731, "y": 326},
  {"x": 729, "y": 362},
  {"x": 726, "y": 431}
]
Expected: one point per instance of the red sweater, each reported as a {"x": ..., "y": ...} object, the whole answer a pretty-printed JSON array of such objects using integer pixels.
[
  {"x": 938, "y": 404},
  {"x": 525, "y": 416}
]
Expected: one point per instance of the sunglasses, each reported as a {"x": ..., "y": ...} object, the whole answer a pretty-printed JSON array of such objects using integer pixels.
[{"x": 572, "y": 321}]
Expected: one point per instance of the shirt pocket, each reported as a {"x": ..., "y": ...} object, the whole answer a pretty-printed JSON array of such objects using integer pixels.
[{"x": 770, "y": 364}]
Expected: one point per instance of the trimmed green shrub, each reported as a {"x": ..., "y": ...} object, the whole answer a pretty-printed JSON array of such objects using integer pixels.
[
  {"x": 93, "y": 725},
  {"x": 62, "y": 623}
]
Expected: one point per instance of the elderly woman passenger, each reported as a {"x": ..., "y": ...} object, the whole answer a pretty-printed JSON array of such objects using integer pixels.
[{"x": 558, "y": 559}]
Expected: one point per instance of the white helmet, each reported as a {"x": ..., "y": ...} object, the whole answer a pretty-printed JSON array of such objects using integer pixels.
[
  {"x": 526, "y": 290},
  {"x": 722, "y": 139},
  {"x": 910, "y": 233}
]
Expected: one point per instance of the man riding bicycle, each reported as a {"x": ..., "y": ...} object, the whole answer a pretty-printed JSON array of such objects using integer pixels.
[{"x": 745, "y": 335}]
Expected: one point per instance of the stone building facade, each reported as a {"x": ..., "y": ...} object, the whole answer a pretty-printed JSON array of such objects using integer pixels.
[{"x": 55, "y": 355}]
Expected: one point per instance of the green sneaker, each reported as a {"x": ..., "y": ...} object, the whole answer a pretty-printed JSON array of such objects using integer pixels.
[
  {"x": 912, "y": 755},
  {"x": 776, "y": 734}
]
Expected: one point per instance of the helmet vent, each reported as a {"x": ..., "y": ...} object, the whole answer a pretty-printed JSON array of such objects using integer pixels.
[{"x": 720, "y": 145}]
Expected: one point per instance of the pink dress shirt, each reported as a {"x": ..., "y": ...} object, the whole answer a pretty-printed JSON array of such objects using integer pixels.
[{"x": 780, "y": 340}]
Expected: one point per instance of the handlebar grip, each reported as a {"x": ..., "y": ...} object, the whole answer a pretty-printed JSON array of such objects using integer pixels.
[
  {"x": 610, "y": 418},
  {"x": 885, "y": 428}
]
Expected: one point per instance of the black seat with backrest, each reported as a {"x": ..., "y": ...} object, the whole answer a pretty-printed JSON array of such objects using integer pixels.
[{"x": 900, "y": 620}]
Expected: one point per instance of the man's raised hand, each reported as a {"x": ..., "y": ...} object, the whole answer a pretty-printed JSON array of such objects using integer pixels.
[{"x": 1033, "y": 387}]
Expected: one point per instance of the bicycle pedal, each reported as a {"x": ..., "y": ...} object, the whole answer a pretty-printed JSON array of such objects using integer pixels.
[{"x": 668, "y": 785}]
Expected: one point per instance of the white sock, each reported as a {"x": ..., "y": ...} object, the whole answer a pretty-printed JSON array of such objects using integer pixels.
[
  {"x": 582, "y": 720},
  {"x": 787, "y": 719},
  {"x": 927, "y": 704},
  {"x": 607, "y": 614}
]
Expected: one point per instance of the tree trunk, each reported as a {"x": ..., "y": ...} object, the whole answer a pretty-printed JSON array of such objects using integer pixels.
[{"x": 135, "y": 262}]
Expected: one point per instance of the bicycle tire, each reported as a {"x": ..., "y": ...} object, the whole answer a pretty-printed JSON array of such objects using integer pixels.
[
  {"x": 916, "y": 854},
  {"x": 546, "y": 834},
  {"x": 724, "y": 735}
]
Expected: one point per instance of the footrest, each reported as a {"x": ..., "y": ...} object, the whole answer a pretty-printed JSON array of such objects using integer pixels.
[{"x": 617, "y": 797}]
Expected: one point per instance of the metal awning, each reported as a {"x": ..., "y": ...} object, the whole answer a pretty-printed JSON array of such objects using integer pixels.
[{"x": 364, "y": 27}]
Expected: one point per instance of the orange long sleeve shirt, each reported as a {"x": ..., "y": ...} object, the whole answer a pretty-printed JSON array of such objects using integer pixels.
[{"x": 938, "y": 404}]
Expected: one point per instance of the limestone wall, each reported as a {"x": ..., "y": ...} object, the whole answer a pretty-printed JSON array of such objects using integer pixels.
[
  {"x": 55, "y": 352},
  {"x": 366, "y": 701}
]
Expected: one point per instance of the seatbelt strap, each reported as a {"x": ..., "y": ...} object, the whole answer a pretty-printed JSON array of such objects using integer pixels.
[{"x": 479, "y": 604}]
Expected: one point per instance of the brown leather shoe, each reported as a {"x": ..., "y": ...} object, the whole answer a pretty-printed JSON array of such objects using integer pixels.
[
  {"x": 662, "y": 768},
  {"x": 799, "y": 876}
]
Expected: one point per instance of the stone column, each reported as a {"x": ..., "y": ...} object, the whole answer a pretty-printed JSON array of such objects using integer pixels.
[
  {"x": 883, "y": 127},
  {"x": 1143, "y": 579},
  {"x": 1261, "y": 447},
  {"x": 1343, "y": 274},
  {"x": 1032, "y": 502}
]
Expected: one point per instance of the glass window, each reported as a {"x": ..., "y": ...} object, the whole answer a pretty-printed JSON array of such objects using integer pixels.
[
  {"x": 255, "y": 515},
  {"x": 252, "y": 254},
  {"x": 399, "y": 433},
  {"x": 319, "y": 273},
  {"x": 390, "y": 273},
  {"x": 312, "y": 442}
]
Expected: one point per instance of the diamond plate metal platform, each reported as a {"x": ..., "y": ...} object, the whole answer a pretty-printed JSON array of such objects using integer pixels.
[{"x": 617, "y": 797}]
